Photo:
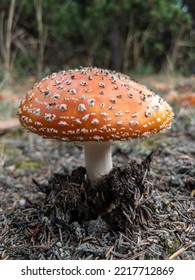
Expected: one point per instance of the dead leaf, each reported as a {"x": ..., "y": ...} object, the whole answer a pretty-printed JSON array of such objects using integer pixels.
[
  {"x": 171, "y": 96},
  {"x": 160, "y": 86},
  {"x": 6, "y": 125}
]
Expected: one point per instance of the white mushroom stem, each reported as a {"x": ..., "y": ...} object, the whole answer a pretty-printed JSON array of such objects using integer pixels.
[{"x": 98, "y": 159}]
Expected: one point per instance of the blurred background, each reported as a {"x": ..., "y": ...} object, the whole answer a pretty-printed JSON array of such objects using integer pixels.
[{"x": 132, "y": 36}]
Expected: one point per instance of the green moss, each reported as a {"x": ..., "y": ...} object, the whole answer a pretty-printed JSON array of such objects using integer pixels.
[
  {"x": 153, "y": 208},
  {"x": 25, "y": 165},
  {"x": 172, "y": 245}
]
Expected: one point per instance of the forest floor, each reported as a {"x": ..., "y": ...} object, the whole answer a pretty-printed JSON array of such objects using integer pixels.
[{"x": 49, "y": 211}]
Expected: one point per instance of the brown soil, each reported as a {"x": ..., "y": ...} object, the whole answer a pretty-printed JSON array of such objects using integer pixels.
[{"x": 143, "y": 209}]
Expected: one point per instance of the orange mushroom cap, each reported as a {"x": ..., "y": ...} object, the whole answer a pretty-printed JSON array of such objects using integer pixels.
[
  {"x": 187, "y": 99},
  {"x": 91, "y": 104}
]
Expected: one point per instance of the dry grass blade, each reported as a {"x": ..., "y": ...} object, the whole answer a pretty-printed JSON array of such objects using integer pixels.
[{"x": 181, "y": 250}]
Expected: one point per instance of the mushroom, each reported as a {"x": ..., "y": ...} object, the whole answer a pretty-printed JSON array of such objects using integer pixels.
[{"x": 96, "y": 107}]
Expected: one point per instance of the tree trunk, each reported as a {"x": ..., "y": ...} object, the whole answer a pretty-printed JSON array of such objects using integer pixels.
[{"x": 115, "y": 48}]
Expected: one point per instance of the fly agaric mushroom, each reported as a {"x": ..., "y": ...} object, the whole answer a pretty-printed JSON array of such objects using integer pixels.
[{"x": 96, "y": 107}]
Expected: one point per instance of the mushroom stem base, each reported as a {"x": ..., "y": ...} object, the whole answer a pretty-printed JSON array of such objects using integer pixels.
[{"x": 98, "y": 159}]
